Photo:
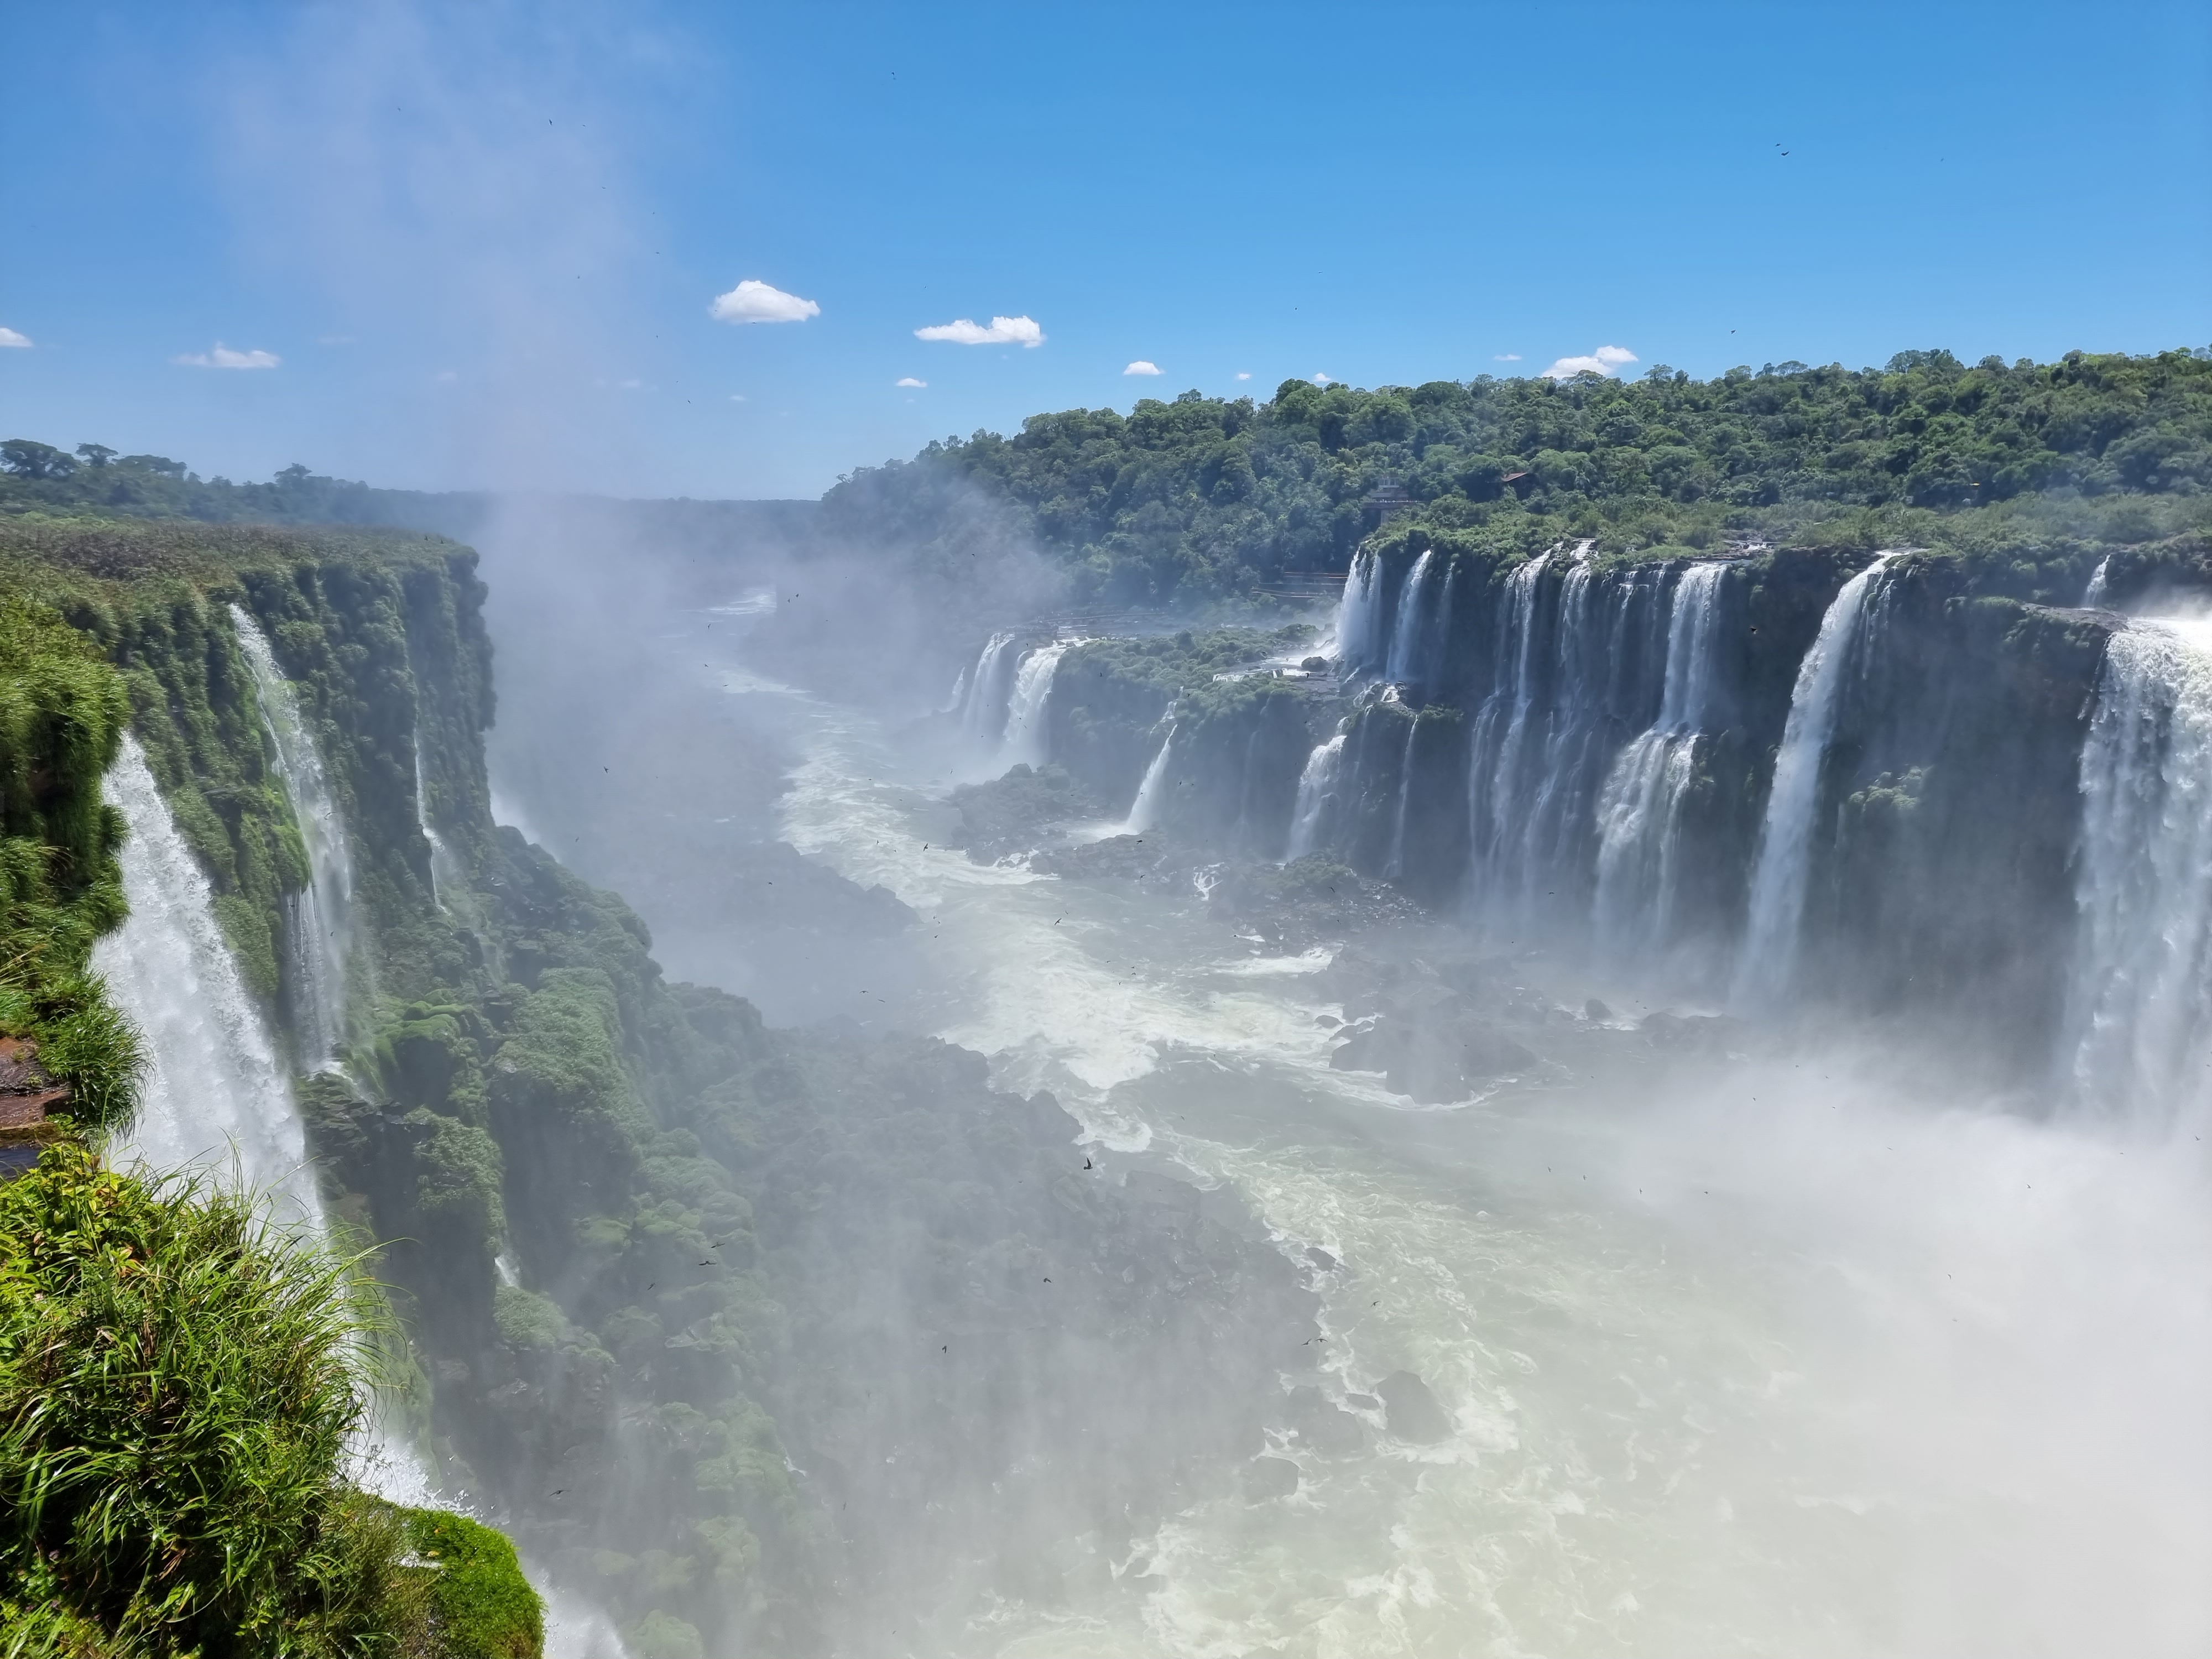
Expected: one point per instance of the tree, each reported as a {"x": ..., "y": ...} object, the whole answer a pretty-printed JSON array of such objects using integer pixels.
[
  {"x": 28, "y": 458},
  {"x": 95, "y": 454}
]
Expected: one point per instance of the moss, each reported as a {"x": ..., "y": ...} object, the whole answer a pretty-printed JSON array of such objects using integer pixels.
[{"x": 481, "y": 1606}]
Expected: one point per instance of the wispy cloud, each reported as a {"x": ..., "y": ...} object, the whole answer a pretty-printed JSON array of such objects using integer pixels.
[
  {"x": 1605, "y": 360},
  {"x": 8, "y": 338},
  {"x": 1141, "y": 367},
  {"x": 752, "y": 301},
  {"x": 445, "y": 377},
  {"x": 1321, "y": 378},
  {"x": 908, "y": 379},
  {"x": 737, "y": 397},
  {"x": 223, "y": 357},
  {"x": 1242, "y": 375},
  {"x": 1507, "y": 357},
  {"x": 1002, "y": 330},
  {"x": 334, "y": 339}
]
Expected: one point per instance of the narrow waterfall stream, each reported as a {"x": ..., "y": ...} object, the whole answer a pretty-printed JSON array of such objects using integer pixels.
[
  {"x": 1769, "y": 957},
  {"x": 318, "y": 922},
  {"x": 1145, "y": 809}
]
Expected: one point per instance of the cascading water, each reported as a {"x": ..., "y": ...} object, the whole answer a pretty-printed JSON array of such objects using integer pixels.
[
  {"x": 317, "y": 917},
  {"x": 2138, "y": 1037},
  {"x": 1360, "y": 618},
  {"x": 1768, "y": 961},
  {"x": 2095, "y": 597},
  {"x": 1639, "y": 812},
  {"x": 1025, "y": 707},
  {"x": 1317, "y": 786},
  {"x": 1405, "y": 661},
  {"x": 214, "y": 1089},
  {"x": 445, "y": 870},
  {"x": 1574, "y": 668},
  {"x": 983, "y": 712},
  {"x": 1144, "y": 811}
]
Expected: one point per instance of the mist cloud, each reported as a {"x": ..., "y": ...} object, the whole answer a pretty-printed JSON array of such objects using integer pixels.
[
  {"x": 223, "y": 357},
  {"x": 754, "y": 302},
  {"x": 1605, "y": 360},
  {"x": 8, "y": 338},
  {"x": 1002, "y": 330}
]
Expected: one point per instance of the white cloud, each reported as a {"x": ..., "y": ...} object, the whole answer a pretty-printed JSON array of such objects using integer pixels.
[
  {"x": 1605, "y": 360},
  {"x": 908, "y": 379},
  {"x": 737, "y": 397},
  {"x": 1321, "y": 378},
  {"x": 752, "y": 301},
  {"x": 1243, "y": 376},
  {"x": 9, "y": 337},
  {"x": 223, "y": 357},
  {"x": 445, "y": 377},
  {"x": 1002, "y": 330},
  {"x": 1507, "y": 357},
  {"x": 1141, "y": 367}
]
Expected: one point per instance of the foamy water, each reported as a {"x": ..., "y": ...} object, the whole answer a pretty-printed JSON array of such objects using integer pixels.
[{"x": 1761, "y": 1361}]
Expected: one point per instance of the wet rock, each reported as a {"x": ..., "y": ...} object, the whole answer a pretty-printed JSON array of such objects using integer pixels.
[
  {"x": 1365, "y": 1402},
  {"x": 1595, "y": 1011},
  {"x": 1327, "y": 1021},
  {"x": 1321, "y": 1258},
  {"x": 1436, "y": 1060},
  {"x": 1018, "y": 812},
  {"x": 1270, "y": 1477},
  {"x": 1315, "y": 665},
  {"x": 1411, "y": 1410}
]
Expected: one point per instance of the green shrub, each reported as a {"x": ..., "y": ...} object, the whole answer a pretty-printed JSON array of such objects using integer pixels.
[{"x": 481, "y": 1605}]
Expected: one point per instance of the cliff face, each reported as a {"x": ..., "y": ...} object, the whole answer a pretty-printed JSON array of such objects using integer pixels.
[
  {"x": 1593, "y": 745},
  {"x": 639, "y": 1237}
]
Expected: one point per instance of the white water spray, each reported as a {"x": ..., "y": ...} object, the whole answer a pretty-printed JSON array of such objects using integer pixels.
[
  {"x": 2097, "y": 593},
  {"x": 1639, "y": 812},
  {"x": 213, "y": 1091},
  {"x": 1359, "y": 614},
  {"x": 1025, "y": 708},
  {"x": 2138, "y": 1038},
  {"x": 983, "y": 709},
  {"x": 1407, "y": 637},
  {"x": 1317, "y": 786},
  {"x": 1144, "y": 811},
  {"x": 1785, "y": 845},
  {"x": 444, "y": 870},
  {"x": 317, "y": 919}
]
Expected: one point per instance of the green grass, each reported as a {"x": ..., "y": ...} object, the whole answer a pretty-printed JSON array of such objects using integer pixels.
[{"x": 180, "y": 1379}]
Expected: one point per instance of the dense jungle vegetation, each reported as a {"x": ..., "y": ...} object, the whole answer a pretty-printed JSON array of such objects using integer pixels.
[
  {"x": 179, "y": 1380},
  {"x": 1201, "y": 497}
]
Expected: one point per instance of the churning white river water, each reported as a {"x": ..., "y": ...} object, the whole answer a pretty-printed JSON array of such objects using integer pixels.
[{"x": 1760, "y": 1357}]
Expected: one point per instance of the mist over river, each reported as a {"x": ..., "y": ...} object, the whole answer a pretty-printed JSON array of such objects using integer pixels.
[{"x": 1800, "y": 1347}]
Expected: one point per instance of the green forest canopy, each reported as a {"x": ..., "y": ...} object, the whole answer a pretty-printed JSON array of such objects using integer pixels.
[{"x": 1206, "y": 497}]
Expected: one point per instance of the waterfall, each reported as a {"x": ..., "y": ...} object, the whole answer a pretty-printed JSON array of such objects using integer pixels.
[
  {"x": 1317, "y": 786},
  {"x": 317, "y": 918},
  {"x": 953, "y": 703},
  {"x": 1404, "y": 662},
  {"x": 983, "y": 714},
  {"x": 1359, "y": 615},
  {"x": 444, "y": 870},
  {"x": 2138, "y": 1032},
  {"x": 1785, "y": 843},
  {"x": 1144, "y": 811},
  {"x": 2095, "y": 598},
  {"x": 1639, "y": 810},
  {"x": 1025, "y": 707},
  {"x": 214, "y": 1088}
]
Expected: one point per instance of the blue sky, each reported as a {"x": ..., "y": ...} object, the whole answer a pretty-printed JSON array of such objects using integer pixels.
[{"x": 483, "y": 241}]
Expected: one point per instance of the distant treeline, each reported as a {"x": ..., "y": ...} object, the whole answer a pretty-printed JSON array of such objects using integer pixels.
[{"x": 1206, "y": 496}]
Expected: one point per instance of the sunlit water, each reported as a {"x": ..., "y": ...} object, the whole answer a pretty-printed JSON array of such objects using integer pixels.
[{"x": 1759, "y": 1360}]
